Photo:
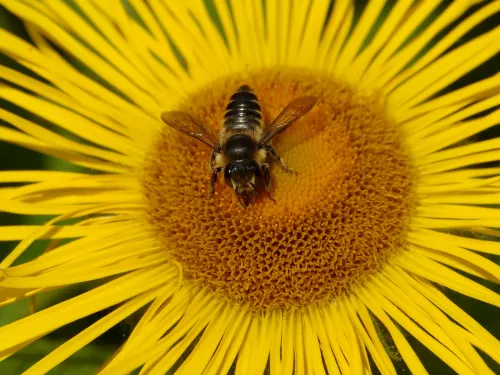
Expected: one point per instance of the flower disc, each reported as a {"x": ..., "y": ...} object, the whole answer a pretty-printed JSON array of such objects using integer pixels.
[{"x": 333, "y": 223}]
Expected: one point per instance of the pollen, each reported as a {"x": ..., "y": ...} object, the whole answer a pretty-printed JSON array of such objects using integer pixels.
[{"x": 330, "y": 226}]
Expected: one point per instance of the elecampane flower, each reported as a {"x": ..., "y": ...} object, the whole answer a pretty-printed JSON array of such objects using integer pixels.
[{"x": 393, "y": 198}]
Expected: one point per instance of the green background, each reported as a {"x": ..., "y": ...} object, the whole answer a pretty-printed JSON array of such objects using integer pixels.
[{"x": 89, "y": 359}]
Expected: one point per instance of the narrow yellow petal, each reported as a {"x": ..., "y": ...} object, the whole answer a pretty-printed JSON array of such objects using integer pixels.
[
  {"x": 353, "y": 340},
  {"x": 341, "y": 40},
  {"x": 159, "y": 319},
  {"x": 275, "y": 333},
  {"x": 430, "y": 223},
  {"x": 313, "y": 28},
  {"x": 174, "y": 353},
  {"x": 205, "y": 348},
  {"x": 89, "y": 334},
  {"x": 468, "y": 94},
  {"x": 186, "y": 333},
  {"x": 404, "y": 56},
  {"x": 90, "y": 183},
  {"x": 65, "y": 77},
  {"x": 460, "y": 151},
  {"x": 457, "y": 211},
  {"x": 334, "y": 336},
  {"x": 84, "y": 54},
  {"x": 402, "y": 344},
  {"x": 96, "y": 98},
  {"x": 489, "y": 343},
  {"x": 446, "y": 70},
  {"x": 324, "y": 340},
  {"x": 434, "y": 301},
  {"x": 466, "y": 255},
  {"x": 212, "y": 37},
  {"x": 109, "y": 237},
  {"x": 87, "y": 108},
  {"x": 225, "y": 15},
  {"x": 463, "y": 185},
  {"x": 18, "y": 138},
  {"x": 446, "y": 165},
  {"x": 258, "y": 12},
  {"x": 67, "y": 120},
  {"x": 24, "y": 208},
  {"x": 47, "y": 227},
  {"x": 299, "y": 12},
  {"x": 312, "y": 347},
  {"x": 422, "y": 125},
  {"x": 463, "y": 199},
  {"x": 369, "y": 336},
  {"x": 287, "y": 343},
  {"x": 456, "y": 133},
  {"x": 186, "y": 37},
  {"x": 362, "y": 62},
  {"x": 151, "y": 347},
  {"x": 106, "y": 27},
  {"x": 457, "y": 176},
  {"x": 68, "y": 311},
  {"x": 300, "y": 360},
  {"x": 341, "y": 11},
  {"x": 421, "y": 128},
  {"x": 247, "y": 362},
  {"x": 248, "y": 38},
  {"x": 13, "y": 295},
  {"x": 72, "y": 21},
  {"x": 443, "y": 346},
  {"x": 79, "y": 198},
  {"x": 446, "y": 41},
  {"x": 178, "y": 20},
  {"x": 433, "y": 271},
  {"x": 229, "y": 344},
  {"x": 454, "y": 262},
  {"x": 54, "y": 279},
  {"x": 406, "y": 26},
  {"x": 447, "y": 239},
  {"x": 356, "y": 39},
  {"x": 261, "y": 352},
  {"x": 35, "y": 176}
]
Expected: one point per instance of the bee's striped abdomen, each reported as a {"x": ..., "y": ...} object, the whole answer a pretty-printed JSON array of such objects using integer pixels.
[{"x": 243, "y": 110}]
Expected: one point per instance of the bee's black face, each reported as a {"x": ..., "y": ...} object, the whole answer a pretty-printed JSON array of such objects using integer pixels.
[{"x": 240, "y": 175}]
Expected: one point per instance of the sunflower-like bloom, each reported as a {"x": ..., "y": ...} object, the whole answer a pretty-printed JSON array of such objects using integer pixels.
[{"x": 352, "y": 262}]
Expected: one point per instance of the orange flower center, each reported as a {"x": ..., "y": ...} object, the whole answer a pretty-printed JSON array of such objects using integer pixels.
[{"x": 332, "y": 225}]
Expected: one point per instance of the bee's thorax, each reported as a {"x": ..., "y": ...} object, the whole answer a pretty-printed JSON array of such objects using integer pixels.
[{"x": 239, "y": 147}]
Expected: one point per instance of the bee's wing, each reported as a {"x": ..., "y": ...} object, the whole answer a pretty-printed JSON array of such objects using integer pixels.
[
  {"x": 185, "y": 123},
  {"x": 292, "y": 112}
]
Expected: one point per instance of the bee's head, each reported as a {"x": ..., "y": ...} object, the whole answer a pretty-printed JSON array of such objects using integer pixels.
[{"x": 240, "y": 175}]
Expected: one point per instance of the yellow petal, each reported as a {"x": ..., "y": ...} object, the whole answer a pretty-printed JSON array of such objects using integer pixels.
[
  {"x": 433, "y": 271},
  {"x": 90, "y": 333},
  {"x": 68, "y": 311},
  {"x": 406, "y": 351}
]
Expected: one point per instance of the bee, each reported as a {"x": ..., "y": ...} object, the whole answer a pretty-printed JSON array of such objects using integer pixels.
[{"x": 243, "y": 150}]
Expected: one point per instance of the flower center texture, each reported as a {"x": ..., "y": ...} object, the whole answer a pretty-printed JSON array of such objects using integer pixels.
[{"x": 333, "y": 224}]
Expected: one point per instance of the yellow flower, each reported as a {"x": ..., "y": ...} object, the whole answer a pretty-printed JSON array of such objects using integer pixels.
[{"x": 392, "y": 200}]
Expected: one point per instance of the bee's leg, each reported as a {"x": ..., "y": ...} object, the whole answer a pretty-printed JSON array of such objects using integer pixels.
[
  {"x": 212, "y": 161},
  {"x": 266, "y": 176},
  {"x": 276, "y": 156},
  {"x": 213, "y": 179},
  {"x": 264, "y": 170}
]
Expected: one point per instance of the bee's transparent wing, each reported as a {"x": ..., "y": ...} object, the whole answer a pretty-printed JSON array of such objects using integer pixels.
[
  {"x": 292, "y": 112},
  {"x": 185, "y": 123}
]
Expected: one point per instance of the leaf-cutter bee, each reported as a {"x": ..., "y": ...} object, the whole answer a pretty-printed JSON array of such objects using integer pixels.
[{"x": 243, "y": 147}]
